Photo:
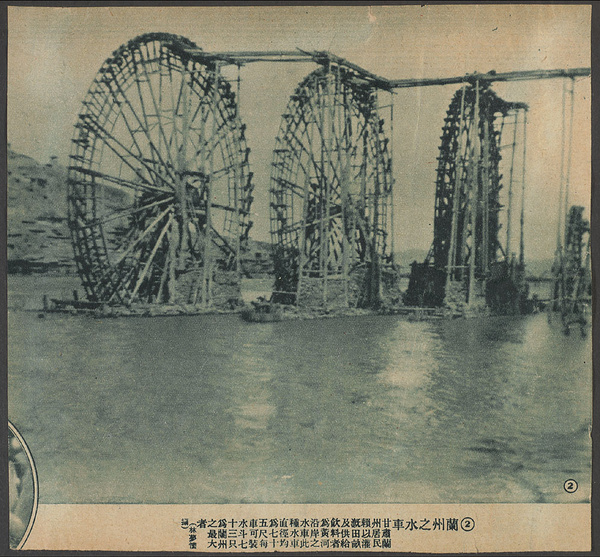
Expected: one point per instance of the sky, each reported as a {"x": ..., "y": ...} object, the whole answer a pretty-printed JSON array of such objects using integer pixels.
[{"x": 54, "y": 54}]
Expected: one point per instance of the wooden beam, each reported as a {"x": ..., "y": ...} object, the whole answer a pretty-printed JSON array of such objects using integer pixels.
[
  {"x": 208, "y": 262},
  {"x": 491, "y": 77},
  {"x": 249, "y": 53},
  {"x": 151, "y": 258},
  {"x": 323, "y": 56},
  {"x": 244, "y": 57}
]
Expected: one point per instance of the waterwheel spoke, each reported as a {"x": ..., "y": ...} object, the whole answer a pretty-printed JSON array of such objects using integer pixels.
[
  {"x": 143, "y": 184},
  {"x": 142, "y": 236},
  {"x": 124, "y": 213},
  {"x": 151, "y": 258},
  {"x": 145, "y": 127},
  {"x": 121, "y": 151}
]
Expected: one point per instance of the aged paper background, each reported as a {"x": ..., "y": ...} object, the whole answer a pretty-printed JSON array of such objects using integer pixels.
[{"x": 124, "y": 456}]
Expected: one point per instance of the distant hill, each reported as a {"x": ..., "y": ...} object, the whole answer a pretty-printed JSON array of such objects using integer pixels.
[{"x": 38, "y": 237}]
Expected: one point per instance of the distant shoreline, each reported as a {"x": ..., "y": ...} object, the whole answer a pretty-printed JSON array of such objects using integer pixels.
[{"x": 56, "y": 270}]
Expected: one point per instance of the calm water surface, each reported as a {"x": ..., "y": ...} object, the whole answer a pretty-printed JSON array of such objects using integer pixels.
[{"x": 209, "y": 409}]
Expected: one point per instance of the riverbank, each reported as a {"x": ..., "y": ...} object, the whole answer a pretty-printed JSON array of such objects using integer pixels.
[{"x": 27, "y": 293}]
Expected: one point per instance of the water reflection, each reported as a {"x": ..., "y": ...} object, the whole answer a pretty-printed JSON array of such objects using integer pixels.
[
  {"x": 502, "y": 394},
  {"x": 370, "y": 409}
]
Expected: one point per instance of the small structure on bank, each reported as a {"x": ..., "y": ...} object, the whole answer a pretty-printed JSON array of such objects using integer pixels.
[
  {"x": 470, "y": 265},
  {"x": 331, "y": 193}
]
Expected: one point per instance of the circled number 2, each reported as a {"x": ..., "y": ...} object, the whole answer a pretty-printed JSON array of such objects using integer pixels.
[
  {"x": 571, "y": 486},
  {"x": 467, "y": 524}
]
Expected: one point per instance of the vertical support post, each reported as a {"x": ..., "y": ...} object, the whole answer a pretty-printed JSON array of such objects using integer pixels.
[
  {"x": 322, "y": 187},
  {"x": 236, "y": 191},
  {"x": 199, "y": 280},
  {"x": 177, "y": 234},
  {"x": 302, "y": 242},
  {"x": 325, "y": 150},
  {"x": 569, "y": 154},
  {"x": 350, "y": 206},
  {"x": 343, "y": 146},
  {"x": 182, "y": 164},
  {"x": 305, "y": 204},
  {"x": 207, "y": 278},
  {"x": 522, "y": 241},
  {"x": 485, "y": 192},
  {"x": 510, "y": 186},
  {"x": 363, "y": 201},
  {"x": 375, "y": 278},
  {"x": 173, "y": 238},
  {"x": 473, "y": 196},
  {"x": 392, "y": 174},
  {"x": 458, "y": 165}
]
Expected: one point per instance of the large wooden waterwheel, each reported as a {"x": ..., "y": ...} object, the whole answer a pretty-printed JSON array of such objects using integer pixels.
[
  {"x": 467, "y": 253},
  {"x": 159, "y": 189},
  {"x": 331, "y": 188}
]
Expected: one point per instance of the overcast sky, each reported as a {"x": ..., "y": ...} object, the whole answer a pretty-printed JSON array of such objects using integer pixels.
[{"x": 54, "y": 53}]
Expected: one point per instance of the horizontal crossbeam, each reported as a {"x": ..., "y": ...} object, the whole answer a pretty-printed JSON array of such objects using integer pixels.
[
  {"x": 491, "y": 77},
  {"x": 240, "y": 58}
]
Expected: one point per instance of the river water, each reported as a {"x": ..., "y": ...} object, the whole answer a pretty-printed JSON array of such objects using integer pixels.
[{"x": 210, "y": 409}]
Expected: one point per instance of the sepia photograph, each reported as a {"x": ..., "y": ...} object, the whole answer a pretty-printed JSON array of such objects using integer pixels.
[{"x": 300, "y": 278}]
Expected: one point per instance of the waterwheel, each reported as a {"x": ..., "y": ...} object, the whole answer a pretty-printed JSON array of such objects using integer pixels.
[
  {"x": 159, "y": 189},
  {"x": 331, "y": 188},
  {"x": 467, "y": 252},
  {"x": 469, "y": 181}
]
